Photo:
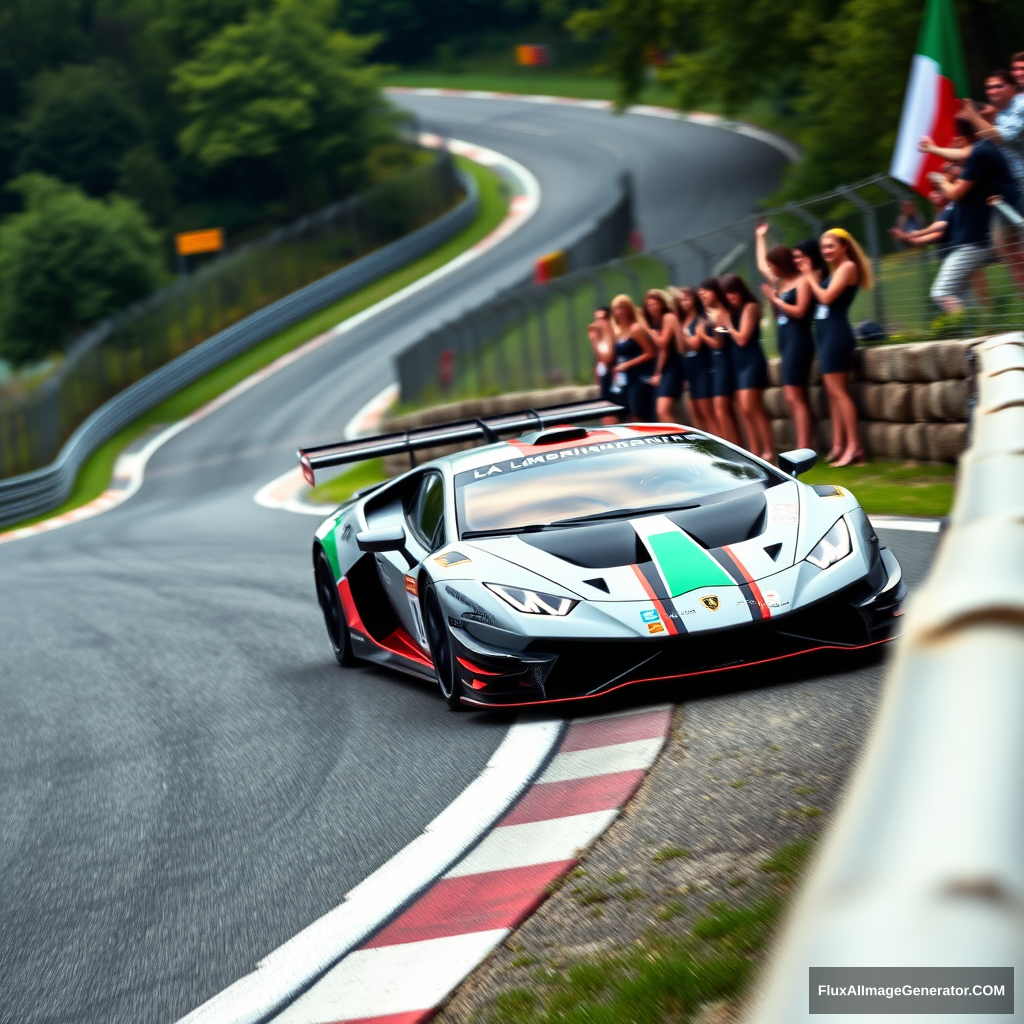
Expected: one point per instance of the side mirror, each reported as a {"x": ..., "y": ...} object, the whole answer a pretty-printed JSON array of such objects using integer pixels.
[
  {"x": 797, "y": 461},
  {"x": 385, "y": 538}
]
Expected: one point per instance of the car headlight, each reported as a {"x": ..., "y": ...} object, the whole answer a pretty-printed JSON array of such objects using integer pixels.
[
  {"x": 532, "y": 602},
  {"x": 834, "y": 546}
]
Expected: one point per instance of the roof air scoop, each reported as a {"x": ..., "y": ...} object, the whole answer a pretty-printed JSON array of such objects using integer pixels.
[{"x": 558, "y": 435}]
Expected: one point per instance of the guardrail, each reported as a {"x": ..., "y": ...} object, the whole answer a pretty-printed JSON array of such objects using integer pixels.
[
  {"x": 43, "y": 489},
  {"x": 136, "y": 341},
  {"x": 536, "y": 336},
  {"x": 923, "y": 864}
]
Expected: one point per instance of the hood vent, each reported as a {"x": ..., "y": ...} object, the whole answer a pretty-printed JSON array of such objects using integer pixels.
[
  {"x": 739, "y": 517},
  {"x": 597, "y": 546},
  {"x": 598, "y": 584},
  {"x": 772, "y": 551}
]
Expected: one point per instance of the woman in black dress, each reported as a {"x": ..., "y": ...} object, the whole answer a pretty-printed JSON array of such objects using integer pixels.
[
  {"x": 634, "y": 361},
  {"x": 663, "y": 326},
  {"x": 719, "y": 341},
  {"x": 697, "y": 368},
  {"x": 790, "y": 295},
  {"x": 849, "y": 269}
]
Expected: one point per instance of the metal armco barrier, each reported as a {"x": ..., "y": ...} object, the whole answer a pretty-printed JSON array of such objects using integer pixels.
[
  {"x": 43, "y": 489},
  {"x": 924, "y": 865}
]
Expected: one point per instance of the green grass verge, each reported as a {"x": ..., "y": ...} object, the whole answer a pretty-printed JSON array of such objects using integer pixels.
[
  {"x": 342, "y": 487},
  {"x": 95, "y": 474},
  {"x": 893, "y": 488},
  {"x": 664, "y": 978}
]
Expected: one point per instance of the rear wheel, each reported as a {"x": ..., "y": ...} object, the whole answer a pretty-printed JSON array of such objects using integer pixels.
[
  {"x": 441, "y": 649},
  {"x": 334, "y": 614}
]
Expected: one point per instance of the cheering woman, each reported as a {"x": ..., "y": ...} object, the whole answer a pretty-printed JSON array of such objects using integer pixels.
[
  {"x": 790, "y": 294},
  {"x": 849, "y": 269},
  {"x": 697, "y": 366}
]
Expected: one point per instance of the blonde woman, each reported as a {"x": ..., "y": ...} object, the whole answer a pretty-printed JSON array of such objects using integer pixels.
[
  {"x": 663, "y": 325},
  {"x": 849, "y": 269},
  {"x": 635, "y": 356}
]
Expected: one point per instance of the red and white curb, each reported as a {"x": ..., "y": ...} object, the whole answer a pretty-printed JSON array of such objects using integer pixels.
[
  {"x": 130, "y": 467},
  {"x": 402, "y": 973},
  {"x": 789, "y": 149}
]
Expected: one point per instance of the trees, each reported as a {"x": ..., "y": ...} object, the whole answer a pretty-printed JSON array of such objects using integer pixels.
[{"x": 67, "y": 261}]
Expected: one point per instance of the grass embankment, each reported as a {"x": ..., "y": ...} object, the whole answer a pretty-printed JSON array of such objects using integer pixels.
[
  {"x": 342, "y": 487},
  {"x": 893, "y": 488},
  {"x": 95, "y": 474},
  {"x": 664, "y": 978}
]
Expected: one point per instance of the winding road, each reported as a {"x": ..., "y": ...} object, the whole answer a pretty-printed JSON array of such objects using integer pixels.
[{"x": 187, "y": 778}]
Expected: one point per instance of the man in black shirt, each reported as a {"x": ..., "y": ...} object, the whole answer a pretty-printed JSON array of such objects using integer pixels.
[{"x": 985, "y": 174}]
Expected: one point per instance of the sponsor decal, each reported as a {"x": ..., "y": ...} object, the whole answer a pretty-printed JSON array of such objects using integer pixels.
[
  {"x": 710, "y": 602},
  {"x": 579, "y": 451},
  {"x": 655, "y": 627},
  {"x": 773, "y": 599},
  {"x": 346, "y": 534},
  {"x": 450, "y": 558},
  {"x": 411, "y": 587},
  {"x": 650, "y": 615},
  {"x": 785, "y": 513}
]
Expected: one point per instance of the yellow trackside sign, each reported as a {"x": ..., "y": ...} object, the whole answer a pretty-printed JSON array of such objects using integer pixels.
[{"x": 191, "y": 243}]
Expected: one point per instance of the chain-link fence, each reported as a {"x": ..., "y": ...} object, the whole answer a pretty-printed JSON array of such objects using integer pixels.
[
  {"x": 132, "y": 344},
  {"x": 536, "y": 335}
]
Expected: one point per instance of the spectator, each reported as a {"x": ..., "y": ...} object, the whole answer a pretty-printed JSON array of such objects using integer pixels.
[
  {"x": 790, "y": 295},
  {"x": 1007, "y": 132},
  {"x": 1017, "y": 70},
  {"x": 663, "y": 326},
  {"x": 850, "y": 269},
  {"x": 697, "y": 366},
  {"x": 602, "y": 343},
  {"x": 634, "y": 360},
  {"x": 909, "y": 220},
  {"x": 719, "y": 340},
  {"x": 810, "y": 250},
  {"x": 985, "y": 174}
]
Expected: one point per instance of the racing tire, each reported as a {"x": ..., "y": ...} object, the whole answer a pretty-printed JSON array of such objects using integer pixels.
[
  {"x": 441, "y": 650},
  {"x": 334, "y": 614}
]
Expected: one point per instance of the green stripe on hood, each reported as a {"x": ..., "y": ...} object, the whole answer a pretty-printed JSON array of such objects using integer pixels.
[{"x": 685, "y": 564}]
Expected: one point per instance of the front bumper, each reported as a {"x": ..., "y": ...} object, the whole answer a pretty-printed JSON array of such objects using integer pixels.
[{"x": 862, "y": 615}]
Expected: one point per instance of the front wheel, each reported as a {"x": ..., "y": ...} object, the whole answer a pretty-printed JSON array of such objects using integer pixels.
[
  {"x": 441, "y": 650},
  {"x": 334, "y": 614}
]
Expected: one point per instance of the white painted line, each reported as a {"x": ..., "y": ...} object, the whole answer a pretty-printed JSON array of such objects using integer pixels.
[
  {"x": 291, "y": 967},
  {"x": 286, "y": 493},
  {"x": 536, "y": 842},
  {"x": 620, "y": 757},
  {"x": 905, "y": 523},
  {"x": 367, "y": 420},
  {"x": 392, "y": 979},
  {"x": 788, "y": 149}
]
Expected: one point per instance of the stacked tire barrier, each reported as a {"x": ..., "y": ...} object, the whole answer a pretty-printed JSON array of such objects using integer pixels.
[
  {"x": 43, "y": 489},
  {"x": 923, "y": 865},
  {"x": 912, "y": 401}
]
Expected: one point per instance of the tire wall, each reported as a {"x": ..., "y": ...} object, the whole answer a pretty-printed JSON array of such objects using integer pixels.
[{"x": 912, "y": 400}]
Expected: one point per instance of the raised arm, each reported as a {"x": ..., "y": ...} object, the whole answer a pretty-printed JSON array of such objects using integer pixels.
[
  {"x": 761, "y": 250},
  {"x": 926, "y": 145}
]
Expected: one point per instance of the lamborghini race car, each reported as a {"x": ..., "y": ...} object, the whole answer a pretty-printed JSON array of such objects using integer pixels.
[{"x": 570, "y": 561}]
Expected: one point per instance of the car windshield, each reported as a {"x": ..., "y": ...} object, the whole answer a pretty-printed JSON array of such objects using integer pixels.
[{"x": 595, "y": 481}]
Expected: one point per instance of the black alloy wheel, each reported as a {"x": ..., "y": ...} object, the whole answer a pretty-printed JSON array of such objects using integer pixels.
[
  {"x": 334, "y": 614},
  {"x": 441, "y": 650}
]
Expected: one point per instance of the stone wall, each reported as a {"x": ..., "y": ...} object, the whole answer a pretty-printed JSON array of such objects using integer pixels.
[{"x": 912, "y": 400}]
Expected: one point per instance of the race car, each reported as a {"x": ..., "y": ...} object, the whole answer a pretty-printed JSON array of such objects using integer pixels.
[{"x": 569, "y": 561}]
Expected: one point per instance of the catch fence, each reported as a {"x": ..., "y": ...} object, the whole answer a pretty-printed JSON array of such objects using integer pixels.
[
  {"x": 122, "y": 350},
  {"x": 536, "y": 335}
]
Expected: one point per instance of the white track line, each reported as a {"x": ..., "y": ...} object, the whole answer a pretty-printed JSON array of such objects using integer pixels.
[
  {"x": 129, "y": 474},
  {"x": 286, "y": 971},
  {"x": 906, "y": 523}
]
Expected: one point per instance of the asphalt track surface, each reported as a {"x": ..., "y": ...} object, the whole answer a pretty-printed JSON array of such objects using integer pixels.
[{"x": 187, "y": 778}]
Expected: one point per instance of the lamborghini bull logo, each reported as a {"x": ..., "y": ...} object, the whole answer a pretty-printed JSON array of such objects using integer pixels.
[{"x": 711, "y": 603}]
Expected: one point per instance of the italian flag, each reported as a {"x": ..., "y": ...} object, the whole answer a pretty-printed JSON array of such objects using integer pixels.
[{"x": 938, "y": 80}]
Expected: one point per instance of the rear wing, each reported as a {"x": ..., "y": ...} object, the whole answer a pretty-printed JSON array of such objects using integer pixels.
[{"x": 486, "y": 429}]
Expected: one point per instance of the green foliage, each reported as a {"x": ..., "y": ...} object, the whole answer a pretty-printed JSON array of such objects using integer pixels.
[
  {"x": 830, "y": 72},
  {"x": 79, "y": 126},
  {"x": 66, "y": 262},
  {"x": 282, "y": 89}
]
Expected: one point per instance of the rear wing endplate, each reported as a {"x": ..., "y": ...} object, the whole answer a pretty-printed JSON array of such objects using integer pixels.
[{"x": 486, "y": 429}]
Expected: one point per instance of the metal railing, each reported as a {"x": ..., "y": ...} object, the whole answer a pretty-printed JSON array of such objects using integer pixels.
[
  {"x": 923, "y": 865},
  {"x": 43, "y": 489},
  {"x": 124, "y": 349},
  {"x": 536, "y": 335}
]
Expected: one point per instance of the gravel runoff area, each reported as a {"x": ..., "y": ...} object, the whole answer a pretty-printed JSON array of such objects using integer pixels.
[{"x": 744, "y": 772}]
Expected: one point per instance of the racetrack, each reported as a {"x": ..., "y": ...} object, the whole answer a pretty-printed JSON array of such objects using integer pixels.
[{"x": 187, "y": 778}]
